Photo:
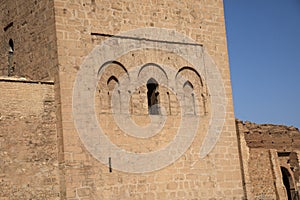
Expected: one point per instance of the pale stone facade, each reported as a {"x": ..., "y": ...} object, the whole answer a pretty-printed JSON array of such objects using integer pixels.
[{"x": 51, "y": 41}]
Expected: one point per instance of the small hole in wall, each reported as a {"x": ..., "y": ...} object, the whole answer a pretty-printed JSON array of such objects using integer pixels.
[
  {"x": 109, "y": 165},
  {"x": 8, "y": 26}
]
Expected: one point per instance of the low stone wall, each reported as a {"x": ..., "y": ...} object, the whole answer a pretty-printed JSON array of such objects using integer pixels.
[{"x": 28, "y": 140}]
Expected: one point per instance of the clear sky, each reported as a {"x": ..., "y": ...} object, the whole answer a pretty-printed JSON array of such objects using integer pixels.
[{"x": 263, "y": 39}]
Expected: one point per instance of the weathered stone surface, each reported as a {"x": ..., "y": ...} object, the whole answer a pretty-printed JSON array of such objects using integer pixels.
[
  {"x": 266, "y": 152},
  {"x": 31, "y": 26},
  {"x": 52, "y": 39},
  {"x": 28, "y": 140},
  {"x": 280, "y": 137}
]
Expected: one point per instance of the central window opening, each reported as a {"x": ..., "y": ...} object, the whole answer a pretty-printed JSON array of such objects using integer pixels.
[{"x": 153, "y": 97}]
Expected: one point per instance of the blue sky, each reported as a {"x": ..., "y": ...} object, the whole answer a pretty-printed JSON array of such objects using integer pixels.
[{"x": 263, "y": 39}]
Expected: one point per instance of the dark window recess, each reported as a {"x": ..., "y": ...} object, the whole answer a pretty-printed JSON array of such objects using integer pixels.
[
  {"x": 10, "y": 57},
  {"x": 153, "y": 97}
]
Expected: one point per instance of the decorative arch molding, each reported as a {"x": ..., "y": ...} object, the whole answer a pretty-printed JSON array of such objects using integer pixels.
[
  {"x": 194, "y": 91},
  {"x": 106, "y": 91},
  {"x": 112, "y": 83},
  {"x": 113, "y": 62},
  {"x": 112, "y": 78},
  {"x": 189, "y": 98},
  {"x": 146, "y": 72},
  {"x": 155, "y": 65},
  {"x": 188, "y": 84},
  {"x": 193, "y": 70}
]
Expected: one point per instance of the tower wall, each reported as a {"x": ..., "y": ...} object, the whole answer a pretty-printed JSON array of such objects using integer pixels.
[
  {"x": 187, "y": 77},
  {"x": 30, "y": 26},
  {"x": 81, "y": 26}
]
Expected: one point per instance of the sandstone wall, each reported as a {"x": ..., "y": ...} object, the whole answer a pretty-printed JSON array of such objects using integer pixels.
[
  {"x": 217, "y": 175},
  {"x": 265, "y": 150},
  {"x": 51, "y": 40},
  {"x": 30, "y": 25},
  {"x": 28, "y": 140}
]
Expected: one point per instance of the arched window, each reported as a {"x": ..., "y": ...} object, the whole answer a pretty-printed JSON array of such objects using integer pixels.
[
  {"x": 189, "y": 99},
  {"x": 10, "y": 57},
  {"x": 113, "y": 83},
  {"x": 11, "y": 45},
  {"x": 153, "y": 97}
]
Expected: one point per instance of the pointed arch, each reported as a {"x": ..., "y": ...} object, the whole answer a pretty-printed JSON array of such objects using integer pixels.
[
  {"x": 155, "y": 65},
  {"x": 189, "y": 99},
  {"x": 152, "y": 81},
  {"x": 153, "y": 97},
  {"x": 112, "y": 78},
  {"x": 112, "y": 82},
  {"x": 193, "y": 70},
  {"x": 188, "y": 84},
  {"x": 113, "y": 62}
]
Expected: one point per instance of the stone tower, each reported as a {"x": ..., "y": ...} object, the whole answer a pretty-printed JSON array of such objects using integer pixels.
[{"x": 140, "y": 99}]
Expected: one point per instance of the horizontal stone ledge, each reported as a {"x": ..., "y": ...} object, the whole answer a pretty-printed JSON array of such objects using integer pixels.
[
  {"x": 145, "y": 39},
  {"x": 24, "y": 80}
]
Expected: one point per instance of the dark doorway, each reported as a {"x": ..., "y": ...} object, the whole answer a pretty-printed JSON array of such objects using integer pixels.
[{"x": 286, "y": 178}]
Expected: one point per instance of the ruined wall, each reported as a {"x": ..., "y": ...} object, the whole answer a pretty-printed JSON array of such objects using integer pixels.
[
  {"x": 261, "y": 174},
  {"x": 217, "y": 175},
  {"x": 268, "y": 136},
  {"x": 28, "y": 140},
  {"x": 30, "y": 25},
  {"x": 265, "y": 150}
]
